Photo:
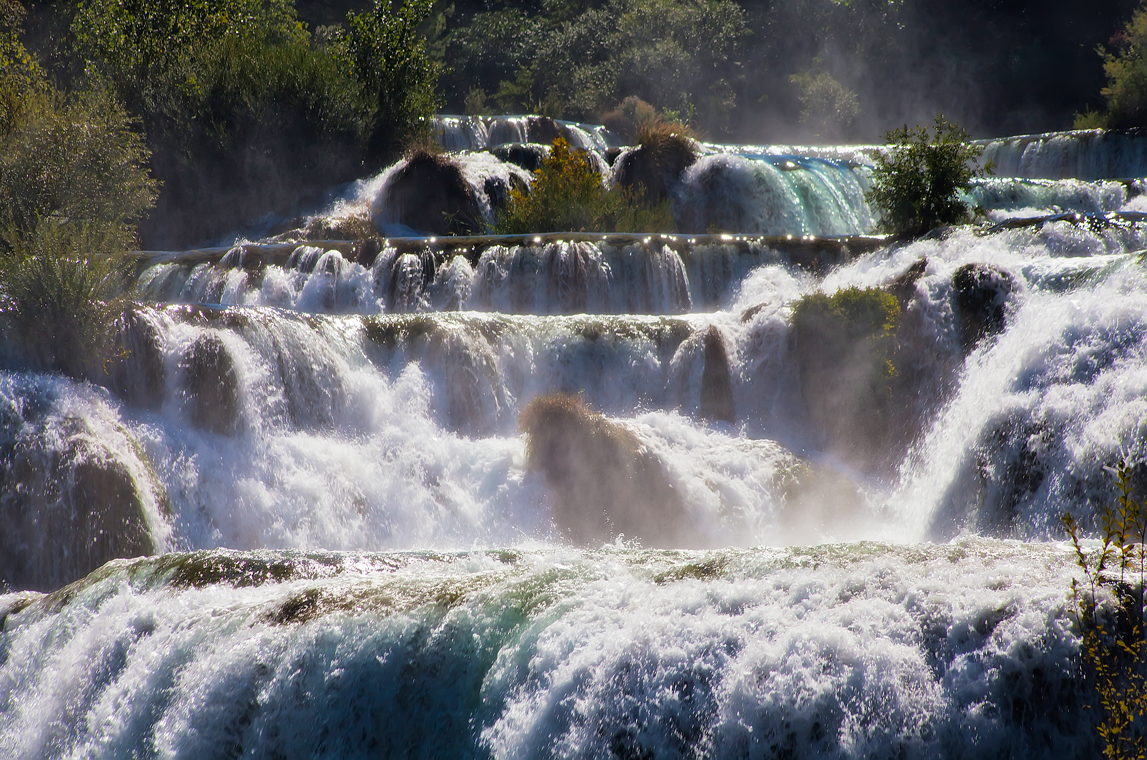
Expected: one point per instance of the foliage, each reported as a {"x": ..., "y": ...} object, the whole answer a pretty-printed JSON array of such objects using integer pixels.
[
  {"x": 851, "y": 314},
  {"x": 827, "y": 106},
  {"x": 388, "y": 56},
  {"x": 916, "y": 183},
  {"x": 61, "y": 285},
  {"x": 567, "y": 195},
  {"x": 627, "y": 118},
  {"x": 580, "y": 59},
  {"x": 74, "y": 159},
  {"x": 1126, "y": 70},
  {"x": 244, "y": 113},
  {"x": 1109, "y": 608}
]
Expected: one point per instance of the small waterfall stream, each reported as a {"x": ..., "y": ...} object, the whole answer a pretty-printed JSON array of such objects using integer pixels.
[{"x": 366, "y": 536}]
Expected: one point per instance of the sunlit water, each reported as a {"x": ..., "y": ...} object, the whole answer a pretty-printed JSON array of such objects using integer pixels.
[{"x": 374, "y": 571}]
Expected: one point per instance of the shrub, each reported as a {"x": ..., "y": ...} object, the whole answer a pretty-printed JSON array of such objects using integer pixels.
[
  {"x": 73, "y": 159},
  {"x": 1126, "y": 70},
  {"x": 388, "y": 56},
  {"x": 628, "y": 117},
  {"x": 60, "y": 289},
  {"x": 1109, "y": 609},
  {"x": 916, "y": 184},
  {"x": 567, "y": 195}
]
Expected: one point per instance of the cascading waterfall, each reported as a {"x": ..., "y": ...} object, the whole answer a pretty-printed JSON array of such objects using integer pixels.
[{"x": 367, "y": 538}]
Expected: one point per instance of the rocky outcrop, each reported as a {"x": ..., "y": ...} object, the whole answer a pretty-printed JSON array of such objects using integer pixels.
[
  {"x": 845, "y": 348},
  {"x": 212, "y": 385},
  {"x": 716, "y": 380},
  {"x": 604, "y": 482},
  {"x": 654, "y": 166},
  {"x": 982, "y": 293},
  {"x": 429, "y": 193},
  {"x": 526, "y": 155},
  {"x": 71, "y": 502}
]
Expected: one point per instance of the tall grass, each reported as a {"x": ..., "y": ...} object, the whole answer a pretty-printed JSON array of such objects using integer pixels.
[{"x": 1109, "y": 608}]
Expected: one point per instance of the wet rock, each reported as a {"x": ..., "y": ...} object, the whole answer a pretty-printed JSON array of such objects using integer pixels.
[
  {"x": 904, "y": 286},
  {"x": 656, "y": 166},
  {"x": 604, "y": 482},
  {"x": 68, "y": 507},
  {"x": 212, "y": 385},
  {"x": 429, "y": 193},
  {"x": 982, "y": 293},
  {"x": 716, "y": 380},
  {"x": 137, "y": 373},
  {"x": 543, "y": 130},
  {"x": 997, "y": 480},
  {"x": 845, "y": 347},
  {"x": 526, "y": 155}
]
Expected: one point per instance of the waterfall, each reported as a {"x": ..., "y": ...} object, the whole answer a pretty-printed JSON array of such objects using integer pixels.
[{"x": 585, "y": 494}]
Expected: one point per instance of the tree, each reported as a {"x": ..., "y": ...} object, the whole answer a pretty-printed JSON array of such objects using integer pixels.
[
  {"x": 917, "y": 181},
  {"x": 1126, "y": 69}
]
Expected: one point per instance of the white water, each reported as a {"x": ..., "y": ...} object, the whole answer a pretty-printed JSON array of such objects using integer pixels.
[
  {"x": 846, "y": 651},
  {"x": 382, "y": 575}
]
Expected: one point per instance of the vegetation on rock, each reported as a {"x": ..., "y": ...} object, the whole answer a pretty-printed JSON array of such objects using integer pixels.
[
  {"x": 1109, "y": 608},
  {"x": 916, "y": 185},
  {"x": 567, "y": 195}
]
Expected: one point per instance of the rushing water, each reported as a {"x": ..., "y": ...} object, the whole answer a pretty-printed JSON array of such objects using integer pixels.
[{"x": 355, "y": 557}]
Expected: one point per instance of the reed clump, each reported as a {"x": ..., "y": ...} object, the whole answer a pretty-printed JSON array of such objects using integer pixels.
[
  {"x": 568, "y": 195},
  {"x": 1108, "y": 604}
]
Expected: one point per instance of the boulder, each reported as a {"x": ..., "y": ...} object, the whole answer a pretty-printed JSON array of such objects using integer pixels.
[
  {"x": 653, "y": 167},
  {"x": 982, "y": 293},
  {"x": 526, "y": 155},
  {"x": 716, "y": 380},
  {"x": 604, "y": 482},
  {"x": 212, "y": 385},
  {"x": 71, "y": 505},
  {"x": 429, "y": 193}
]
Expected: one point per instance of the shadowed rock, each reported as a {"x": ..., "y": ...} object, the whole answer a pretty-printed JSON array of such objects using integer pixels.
[
  {"x": 526, "y": 155},
  {"x": 429, "y": 193},
  {"x": 716, "y": 380},
  {"x": 604, "y": 482},
  {"x": 212, "y": 385},
  {"x": 136, "y": 372},
  {"x": 655, "y": 166},
  {"x": 982, "y": 293},
  {"x": 69, "y": 507}
]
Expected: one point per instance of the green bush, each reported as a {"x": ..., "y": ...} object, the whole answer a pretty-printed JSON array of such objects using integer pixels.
[
  {"x": 916, "y": 184},
  {"x": 827, "y": 107},
  {"x": 1126, "y": 69},
  {"x": 61, "y": 287},
  {"x": 567, "y": 195},
  {"x": 73, "y": 159},
  {"x": 1109, "y": 609}
]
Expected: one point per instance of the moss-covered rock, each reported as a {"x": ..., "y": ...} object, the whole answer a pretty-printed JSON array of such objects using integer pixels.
[
  {"x": 70, "y": 504},
  {"x": 656, "y": 164}
]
